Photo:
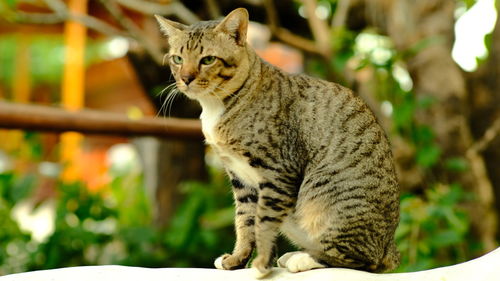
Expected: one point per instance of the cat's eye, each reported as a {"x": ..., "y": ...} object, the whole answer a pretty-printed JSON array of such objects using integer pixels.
[
  {"x": 208, "y": 60},
  {"x": 177, "y": 59}
]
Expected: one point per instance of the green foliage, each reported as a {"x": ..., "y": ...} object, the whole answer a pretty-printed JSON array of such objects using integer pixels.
[
  {"x": 434, "y": 228},
  {"x": 14, "y": 242},
  {"x": 428, "y": 152},
  {"x": 203, "y": 221},
  {"x": 115, "y": 225},
  {"x": 456, "y": 164},
  {"x": 11, "y": 3},
  {"x": 14, "y": 188},
  {"x": 469, "y": 3},
  {"x": 79, "y": 223}
]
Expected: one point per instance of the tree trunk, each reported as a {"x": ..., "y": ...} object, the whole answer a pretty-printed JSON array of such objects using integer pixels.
[{"x": 484, "y": 89}]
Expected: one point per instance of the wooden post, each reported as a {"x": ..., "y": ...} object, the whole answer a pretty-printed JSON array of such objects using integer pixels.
[
  {"x": 73, "y": 88},
  {"x": 21, "y": 84},
  {"x": 21, "y": 90}
]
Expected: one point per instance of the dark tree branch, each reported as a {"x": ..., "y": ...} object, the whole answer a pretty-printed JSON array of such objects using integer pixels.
[
  {"x": 134, "y": 31},
  {"x": 213, "y": 9},
  {"x": 285, "y": 35},
  {"x": 319, "y": 27},
  {"x": 340, "y": 16},
  {"x": 52, "y": 119},
  {"x": 61, "y": 14},
  {"x": 175, "y": 8},
  {"x": 489, "y": 135}
]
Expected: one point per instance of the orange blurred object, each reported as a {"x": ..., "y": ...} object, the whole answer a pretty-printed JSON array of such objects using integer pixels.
[{"x": 73, "y": 89}]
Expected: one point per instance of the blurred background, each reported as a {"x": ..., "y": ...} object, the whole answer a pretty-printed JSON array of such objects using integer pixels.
[{"x": 97, "y": 168}]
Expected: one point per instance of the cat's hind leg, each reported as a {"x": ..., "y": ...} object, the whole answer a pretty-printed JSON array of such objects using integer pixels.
[{"x": 362, "y": 250}]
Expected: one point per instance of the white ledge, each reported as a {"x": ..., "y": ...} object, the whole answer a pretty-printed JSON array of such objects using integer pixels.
[{"x": 485, "y": 268}]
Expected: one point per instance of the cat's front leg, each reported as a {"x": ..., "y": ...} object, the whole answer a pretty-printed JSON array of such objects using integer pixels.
[
  {"x": 246, "y": 202},
  {"x": 274, "y": 204}
]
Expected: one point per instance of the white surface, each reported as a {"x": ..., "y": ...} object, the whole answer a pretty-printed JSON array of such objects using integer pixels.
[{"x": 481, "y": 269}]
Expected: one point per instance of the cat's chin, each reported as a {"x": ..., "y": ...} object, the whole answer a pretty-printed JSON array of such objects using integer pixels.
[
  {"x": 189, "y": 91},
  {"x": 196, "y": 95}
]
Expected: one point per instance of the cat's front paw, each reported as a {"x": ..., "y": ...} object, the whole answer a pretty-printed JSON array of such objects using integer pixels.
[
  {"x": 218, "y": 261},
  {"x": 229, "y": 262},
  {"x": 298, "y": 261},
  {"x": 261, "y": 267}
]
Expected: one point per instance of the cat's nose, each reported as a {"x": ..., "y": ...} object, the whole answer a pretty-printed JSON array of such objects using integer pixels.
[{"x": 188, "y": 78}]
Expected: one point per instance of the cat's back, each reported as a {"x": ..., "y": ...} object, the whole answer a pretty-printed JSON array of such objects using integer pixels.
[
  {"x": 339, "y": 133},
  {"x": 328, "y": 110}
]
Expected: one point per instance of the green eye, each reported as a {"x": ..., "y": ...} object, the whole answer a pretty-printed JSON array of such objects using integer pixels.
[
  {"x": 177, "y": 59},
  {"x": 208, "y": 60}
]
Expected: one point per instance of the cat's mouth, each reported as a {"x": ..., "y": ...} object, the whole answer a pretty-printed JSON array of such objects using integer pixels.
[
  {"x": 192, "y": 90},
  {"x": 195, "y": 91}
]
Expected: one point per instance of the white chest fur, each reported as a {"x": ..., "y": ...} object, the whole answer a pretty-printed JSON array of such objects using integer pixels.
[
  {"x": 240, "y": 167},
  {"x": 212, "y": 111},
  {"x": 210, "y": 116}
]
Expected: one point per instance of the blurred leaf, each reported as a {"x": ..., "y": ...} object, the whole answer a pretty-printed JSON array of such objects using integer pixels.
[
  {"x": 445, "y": 238},
  {"x": 419, "y": 46},
  {"x": 11, "y": 3},
  {"x": 427, "y": 156},
  {"x": 219, "y": 218},
  {"x": 424, "y": 102},
  {"x": 457, "y": 164},
  {"x": 185, "y": 221},
  {"x": 469, "y": 3},
  {"x": 34, "y": 145},
  {"x": 138, "y": 234},
  {"x": 423, "y": 135},
  {"x": 458, "y": 221},
  {"x": 403, "y": 113},
  {"x": 316, "y": 68},
  {"x": 22, "y": 188}
]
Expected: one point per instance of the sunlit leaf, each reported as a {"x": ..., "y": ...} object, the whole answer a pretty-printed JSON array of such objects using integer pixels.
[
  {"x": 457, "y": 164},
  {"x": 219, "y": 218},
  {"x": 427, "y": 156},
  {"x": 11, "y": 3}
]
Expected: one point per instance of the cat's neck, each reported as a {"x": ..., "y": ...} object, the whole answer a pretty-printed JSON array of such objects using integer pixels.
[{"x": 250, "y": 76}]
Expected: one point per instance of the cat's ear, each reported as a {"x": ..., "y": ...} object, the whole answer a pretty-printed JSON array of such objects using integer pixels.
[
  {"x": 169, "y": 28},
  {"x": 235, "y": 24}
]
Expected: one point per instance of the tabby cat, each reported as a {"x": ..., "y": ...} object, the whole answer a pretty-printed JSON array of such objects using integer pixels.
[{"x": 306, "y": 157}]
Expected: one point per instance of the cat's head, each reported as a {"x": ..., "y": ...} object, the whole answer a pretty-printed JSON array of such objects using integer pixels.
[{"x": 208, "y": 59}]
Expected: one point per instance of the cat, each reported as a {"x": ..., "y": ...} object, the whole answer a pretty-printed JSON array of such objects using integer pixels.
[{"x": 306, "y": 157}]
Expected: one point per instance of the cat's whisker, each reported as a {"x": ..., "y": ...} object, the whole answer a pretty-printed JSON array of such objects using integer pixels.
[
  {"x": 171, "y": 99},
  {"x": 170, "y": 102},
  {"x": 167, "y": 88},
  {"x": 171, "y": 91},
  {"x": 224, "y": 91}
]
